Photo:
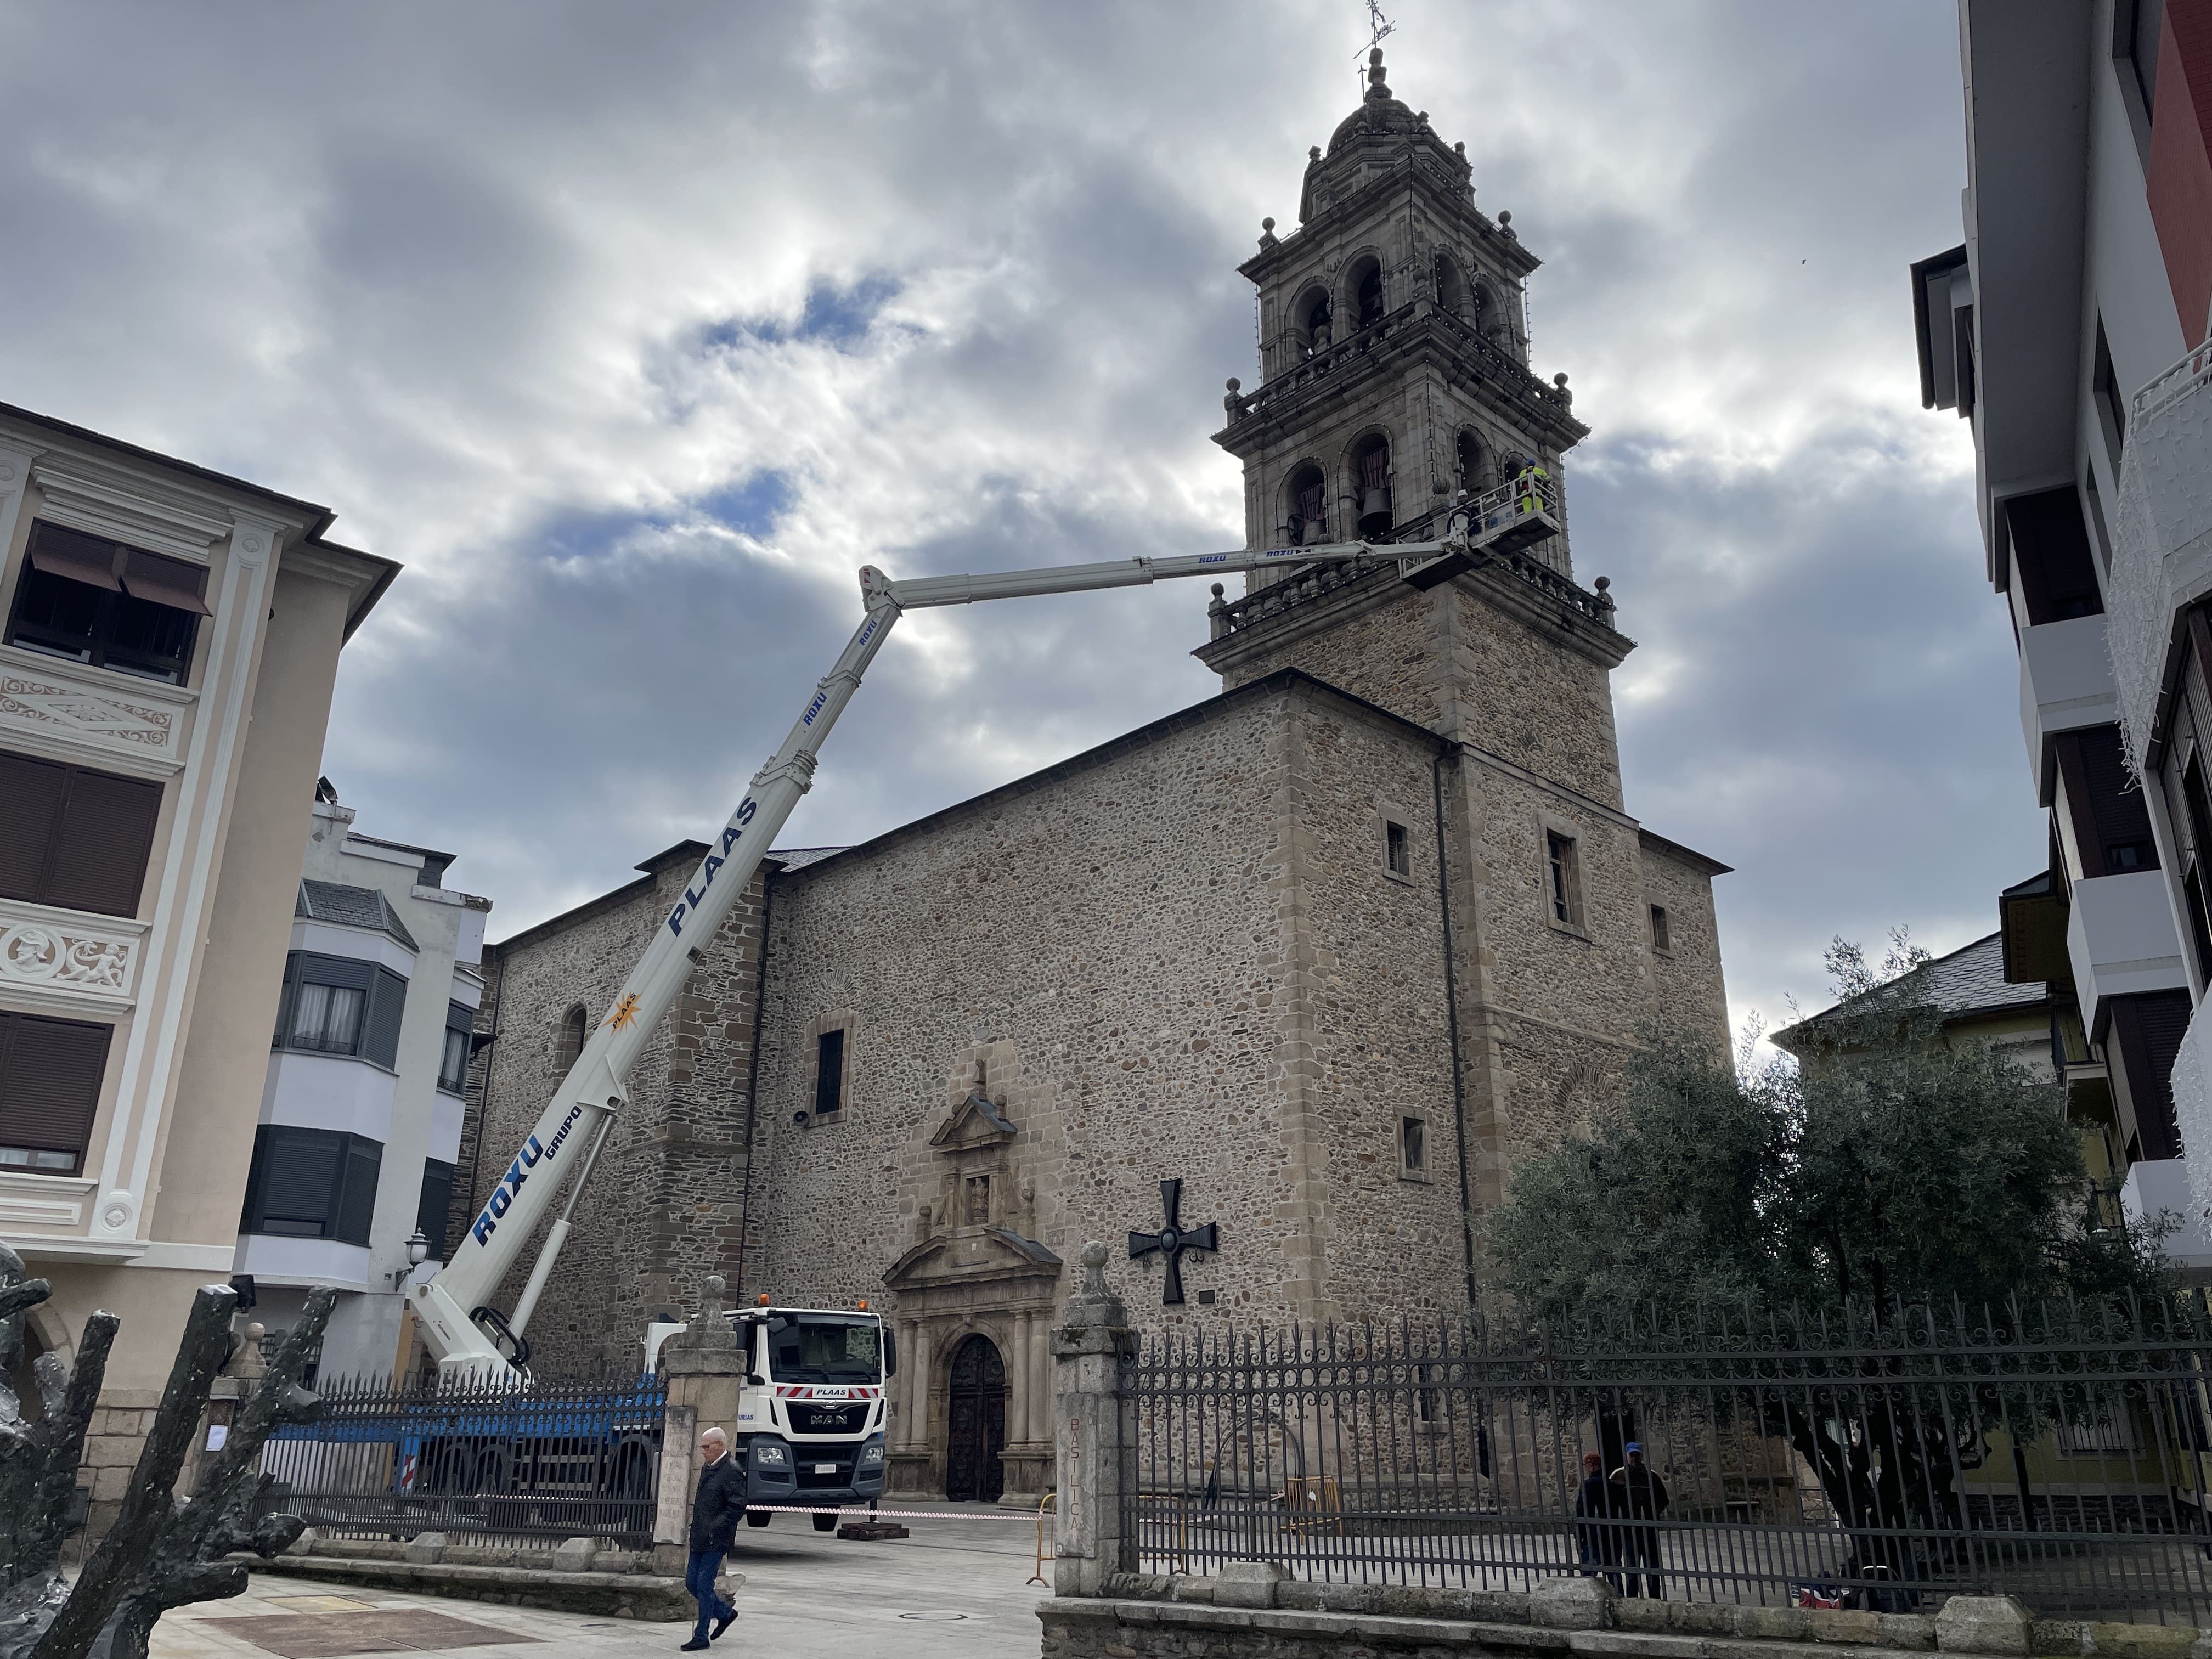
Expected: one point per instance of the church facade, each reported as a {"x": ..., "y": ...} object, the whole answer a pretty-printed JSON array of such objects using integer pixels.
[{"x": 1314, "y": 962}]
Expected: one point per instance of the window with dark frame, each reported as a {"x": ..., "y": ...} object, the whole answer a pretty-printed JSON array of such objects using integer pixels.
[
  {"x": 51, "y": 1072},
  {"x": 1397, "y": 849},
  {"x": 453, "y": 1059},
  {"x": 2103, "y": 821},
  {"x": 1413, "y": 1144},
  {"x": 1560, "y": 864},
  {"x": 2136, "y": 33},
  {"x": 830, "y": 1072},
  {"x": 2111, "y": 401},
  {"x": 75, "y": 838},
  {"x": 311, "y": 1183},
  {"x": 341, "y": 1006},
  {"x": 433, "y": 1210},
  {"x": 109, "y": 606},
  {"x": 1659, "y": 939}
]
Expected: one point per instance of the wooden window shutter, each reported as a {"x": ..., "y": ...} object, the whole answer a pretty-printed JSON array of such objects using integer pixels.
[
  {"x": 102, "y": 843},
  {"x": 30, "y": 807},
  {"x": 49, "y": 1078}
]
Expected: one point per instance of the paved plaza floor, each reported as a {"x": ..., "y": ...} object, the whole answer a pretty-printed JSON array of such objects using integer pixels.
[{"x": 953, "y": 1590}]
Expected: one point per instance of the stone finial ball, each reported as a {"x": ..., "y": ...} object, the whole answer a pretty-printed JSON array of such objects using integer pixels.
[
  {"x": 1560, "y": 378},
  {"x": 1504, "y": 216},
  {"x": 1266, "y": 224},
  {"x": 1604, "y": 582},
  {"x": 1094, "y": 1254},
  {"x": 714, "y": 1285},
  {"x": 1234, "y": 383},
  {"x": 1216, "y": 590},
  {"x": 1314, "y": 153},
  {"x": 256, "y": 1331}
]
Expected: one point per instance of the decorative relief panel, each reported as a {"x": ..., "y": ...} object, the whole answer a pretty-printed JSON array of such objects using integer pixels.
[
  {"x": 63, "y": 953},
  {"x": 74, "y": 710}
]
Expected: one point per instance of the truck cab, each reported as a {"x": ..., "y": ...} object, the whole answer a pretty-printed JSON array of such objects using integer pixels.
[{"x": 811, "y": 1429}]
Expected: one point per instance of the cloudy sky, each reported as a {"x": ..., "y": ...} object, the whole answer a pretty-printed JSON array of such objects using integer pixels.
[{"x": 633, "y": 330}]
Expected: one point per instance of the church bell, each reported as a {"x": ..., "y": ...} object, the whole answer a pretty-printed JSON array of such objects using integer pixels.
[{"x": 1375, "y": 512}]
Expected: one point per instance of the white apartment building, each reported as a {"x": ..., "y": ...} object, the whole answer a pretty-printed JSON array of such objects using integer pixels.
[
  {"x": 2070, "y": 329},
  {"x": 168, "y": 640},
  {"x": 360, "y": 1116}
]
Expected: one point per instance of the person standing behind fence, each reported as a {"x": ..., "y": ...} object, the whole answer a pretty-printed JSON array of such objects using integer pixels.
[
  {"x": 715, "y": 1508},
  {"x": 1640, "y": 1495},
  {"x": 1593, "y": 1540}
]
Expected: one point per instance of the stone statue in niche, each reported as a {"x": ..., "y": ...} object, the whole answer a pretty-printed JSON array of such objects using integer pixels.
[{"x": 979, "y": 1201}]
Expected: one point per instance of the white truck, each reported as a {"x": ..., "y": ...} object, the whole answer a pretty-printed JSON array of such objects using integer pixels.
[
  {"x": 470, "y": 1338},
  {"x": 811, "y": 1429}
]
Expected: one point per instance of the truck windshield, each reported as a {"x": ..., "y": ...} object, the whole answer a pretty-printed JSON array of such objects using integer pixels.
[{"x": 814, "y": 1349}]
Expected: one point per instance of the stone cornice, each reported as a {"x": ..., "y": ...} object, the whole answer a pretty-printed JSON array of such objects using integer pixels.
[
  {"x": 1413, "y": 334},
  {"x": 1369, "y": 200}
]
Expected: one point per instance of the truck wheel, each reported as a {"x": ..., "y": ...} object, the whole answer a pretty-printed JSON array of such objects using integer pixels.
[
  {"x": 759, "y": 1517},
  {"x": 825, "y": 1520}
]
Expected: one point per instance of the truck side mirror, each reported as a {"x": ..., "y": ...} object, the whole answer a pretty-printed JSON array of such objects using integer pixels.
[
  {"x": 890, "y": 1351},
  {"x": 755, "y": 1380}
]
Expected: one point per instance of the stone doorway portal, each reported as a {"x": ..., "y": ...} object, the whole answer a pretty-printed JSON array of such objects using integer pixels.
[{"x": 976, "y": 1423}]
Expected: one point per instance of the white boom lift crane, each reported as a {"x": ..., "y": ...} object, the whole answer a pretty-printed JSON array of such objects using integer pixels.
[{"x": 469, "y": 1337}]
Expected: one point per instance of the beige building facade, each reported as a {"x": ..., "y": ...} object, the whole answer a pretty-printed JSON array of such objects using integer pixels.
[
  {"x": 1316, "y": 960},
  {"x": 170, "y": 643}
]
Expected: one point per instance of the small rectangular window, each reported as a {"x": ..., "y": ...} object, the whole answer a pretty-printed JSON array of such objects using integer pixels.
[
  {"x": 1397, "y": 848},
  {"x": 311, "y": 1183},
  {"x": 1413, "y": 1145},
  {"x": 830, "y": 1072},
  {"x": 2112, "y": 401},
  {"x": 433, "y": 1207},
  {"x": 98, "y": 602},
  {"x": 49, "y": 1079},
  {"x": 453, "y": 1061},
  {"x": 1659, "y": 942},
  {"x": 1563, "y": 879},
  {"x": 327, "y": 1018}
]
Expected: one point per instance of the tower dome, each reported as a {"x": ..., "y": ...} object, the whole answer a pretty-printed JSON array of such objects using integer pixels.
[{"x": 1379, "y": 114}]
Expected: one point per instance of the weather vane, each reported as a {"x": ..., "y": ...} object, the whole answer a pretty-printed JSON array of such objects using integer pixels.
[{"x": 1377, "y": 27}]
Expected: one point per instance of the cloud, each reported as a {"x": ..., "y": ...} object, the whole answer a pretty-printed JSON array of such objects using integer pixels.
[{"x": 635, "y": 331}]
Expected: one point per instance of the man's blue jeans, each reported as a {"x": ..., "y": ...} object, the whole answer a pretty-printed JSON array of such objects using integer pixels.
[{"x": 699, "y": 1579}]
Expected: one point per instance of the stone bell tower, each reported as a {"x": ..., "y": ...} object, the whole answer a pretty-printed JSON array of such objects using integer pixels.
[
  {"x": 1394, "y": 357},
  {"x": 1394, "y": 349}
]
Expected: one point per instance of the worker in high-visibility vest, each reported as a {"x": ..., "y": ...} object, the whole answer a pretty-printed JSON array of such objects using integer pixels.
[{"x": 1529, "y": 485}]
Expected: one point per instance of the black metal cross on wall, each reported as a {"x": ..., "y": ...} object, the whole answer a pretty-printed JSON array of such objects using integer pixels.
[{"x": 1171, "y": 1241}]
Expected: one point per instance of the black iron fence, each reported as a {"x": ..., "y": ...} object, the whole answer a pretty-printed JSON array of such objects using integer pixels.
[
  {"x": 2061, "y": 1455},
  {"x": 521, "y": 1462}
]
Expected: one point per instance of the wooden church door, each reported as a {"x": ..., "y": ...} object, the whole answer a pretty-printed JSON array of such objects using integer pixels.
[{"x": 977, "y": 1423}]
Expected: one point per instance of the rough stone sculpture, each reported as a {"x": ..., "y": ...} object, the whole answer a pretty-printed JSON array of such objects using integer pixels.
[{"x": 162, "y": 1550}]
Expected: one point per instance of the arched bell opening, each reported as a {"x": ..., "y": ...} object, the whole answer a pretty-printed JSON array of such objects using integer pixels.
[
  {"x": 1371, "y": 477},
  {"x": 1306, "y": 507}
]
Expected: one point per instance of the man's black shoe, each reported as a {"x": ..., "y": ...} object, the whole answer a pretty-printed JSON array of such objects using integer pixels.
[
  {"x": 693, "y": 1646},
  {"x": 721, "y": 1624}
]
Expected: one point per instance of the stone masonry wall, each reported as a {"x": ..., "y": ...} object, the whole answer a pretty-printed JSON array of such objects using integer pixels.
[
  {"x": 665, "y": 1204},
  {"x": 1118, "y": 922}
]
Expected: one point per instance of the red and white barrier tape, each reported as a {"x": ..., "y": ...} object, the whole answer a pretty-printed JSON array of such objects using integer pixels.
[{"x": 894, "y": 1515}]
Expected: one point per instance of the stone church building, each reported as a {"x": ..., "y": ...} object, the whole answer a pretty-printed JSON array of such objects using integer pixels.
[{"x": 1382, "y": 925}]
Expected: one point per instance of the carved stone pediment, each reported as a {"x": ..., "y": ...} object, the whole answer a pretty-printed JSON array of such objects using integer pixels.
[
  {"x": 969, "y": 1256},
  {"x": 974, "y": 1122}
]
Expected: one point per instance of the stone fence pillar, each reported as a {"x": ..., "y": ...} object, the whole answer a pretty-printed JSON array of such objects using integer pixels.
[
  {"x": 1094, "y": 1435},
  {"x": 705, "y": 1368}
]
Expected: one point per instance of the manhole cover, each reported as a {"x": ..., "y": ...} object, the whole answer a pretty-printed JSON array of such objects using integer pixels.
[{"x": 933, "y": 1616}]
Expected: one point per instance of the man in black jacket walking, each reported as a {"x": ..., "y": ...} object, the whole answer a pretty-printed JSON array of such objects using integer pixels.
[
  {"x": 1639, "y": 1493},
  {"x": 1598, "y": 1544},
  {"x": 715, "y": 1511}
]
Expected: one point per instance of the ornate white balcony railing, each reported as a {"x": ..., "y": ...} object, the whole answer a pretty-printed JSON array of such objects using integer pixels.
[{"x": 2161, "y": 534}]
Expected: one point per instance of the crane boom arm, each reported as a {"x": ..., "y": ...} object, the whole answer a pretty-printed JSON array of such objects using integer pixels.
[{"x": 462, "y": 1331}]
